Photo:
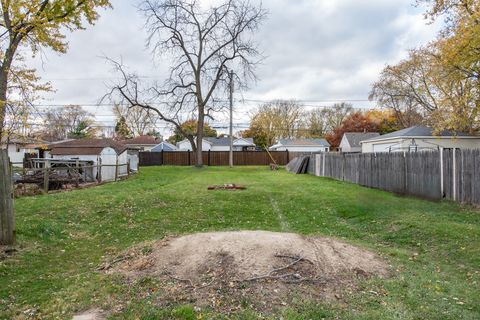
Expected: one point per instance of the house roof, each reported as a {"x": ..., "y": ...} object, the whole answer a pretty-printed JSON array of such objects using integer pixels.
[
  {"x": 354, "y": 138},
  {"x": 165, "y": 146},
  {"x": 19, "y": 139},
  {"x": 225, "y": 141},
  {"x": 85, "y": 147},
  {"x": 419, "y": 131},
  {"x": 142, "y": 140},
  {"x": 304, "y": 142}
]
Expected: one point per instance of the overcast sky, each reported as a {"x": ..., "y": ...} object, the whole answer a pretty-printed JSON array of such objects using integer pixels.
[{"x": 316, "y": 50}]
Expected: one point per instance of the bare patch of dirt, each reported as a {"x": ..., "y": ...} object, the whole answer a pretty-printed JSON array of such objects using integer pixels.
[
  {"x": 7, "y": 252},
  {"x": 228, "y": 271},
  {"x": 94, "y": 314}
]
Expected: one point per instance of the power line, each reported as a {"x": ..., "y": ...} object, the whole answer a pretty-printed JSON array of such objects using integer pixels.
[{"x": 300, "y": 101}]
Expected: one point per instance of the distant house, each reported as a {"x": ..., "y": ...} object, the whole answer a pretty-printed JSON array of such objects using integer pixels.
[
  {"x": 142, "y": 143},
  {"x": 351, "y": 140},
  {"x": 419, "y": 138},
  {"x": 301, "y": 145},
  {"x": 17, "y": 147},
  {"x": 164, "y": 146},
  {"x": 219, "y": 144},
  {"x": 97, "y": 151}
]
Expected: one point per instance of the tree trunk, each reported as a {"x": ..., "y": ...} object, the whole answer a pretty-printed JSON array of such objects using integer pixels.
[
  {"x": 200, "y": 125},
  {"x": 7, "y": 220}
]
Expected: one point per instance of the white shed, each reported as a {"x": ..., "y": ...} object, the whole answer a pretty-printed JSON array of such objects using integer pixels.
[{"x": 100, "y": 151}]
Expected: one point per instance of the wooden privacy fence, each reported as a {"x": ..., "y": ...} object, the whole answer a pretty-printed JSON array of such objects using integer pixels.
[
  {"x": 450, "y": 173},
  {"x": 214, "y": 158}
]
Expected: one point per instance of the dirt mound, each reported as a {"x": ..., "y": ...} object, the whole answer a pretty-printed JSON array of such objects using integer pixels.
[{"x": 227, "y": 270}]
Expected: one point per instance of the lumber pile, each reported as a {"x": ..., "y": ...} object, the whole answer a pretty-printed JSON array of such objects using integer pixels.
[{"x": 298, "y": 165}]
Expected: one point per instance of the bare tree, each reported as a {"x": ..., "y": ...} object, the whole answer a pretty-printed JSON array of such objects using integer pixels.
[
  {"x": 139, "y": 121},
  {"x": 204, "y": 46},
  {"x": 66, "y": 122}
]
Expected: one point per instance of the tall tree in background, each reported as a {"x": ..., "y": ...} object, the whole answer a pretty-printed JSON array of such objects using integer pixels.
[
  {"x": 356, "y": 122},
  {"x": 68, "y": 122},
  {"x": 386, "y": 120},
  {"x": 205, "y": 46},
  {"x": 275, "y": 120},
  {"x": 122, "y": 131},
  {"x": 36, "y": 24},
  {"x": 439, "y": 82},
  {"x": 322, "y": 121},
  {"x": 189, "y": 127},
  {"x": 139, "y": 121}
]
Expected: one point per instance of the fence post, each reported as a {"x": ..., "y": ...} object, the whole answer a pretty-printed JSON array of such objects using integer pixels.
[
  {"x": 77, "y": 168},
  {"x": 454, "y": 173},
  {"x": 46, "y": 176},
  {"x": 116, "y": 170},
  {"x": 323, "y": 163},
  {"x": 208, "y": 158},
  {"x": 99, "y": 170},
  {"x": 405, "y": 173},
  {"x": 317, "y": 165},
  {"x": 189, "y": 160},
  {"x": 441, "y": 174},
  {"x": 162, "y": 158},
  {"x": 288, "y": 156},
  {"x": 7, "y": 218}
]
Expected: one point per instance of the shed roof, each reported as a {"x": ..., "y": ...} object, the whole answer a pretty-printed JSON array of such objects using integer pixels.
[
  {"x": 85, "y": 147},
  {"x": 354, "y": 138}
]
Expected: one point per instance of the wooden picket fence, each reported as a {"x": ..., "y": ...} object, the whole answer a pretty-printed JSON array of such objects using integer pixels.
[
  {"x": 215, "y": 158},
  {"x": 445, "y": 174}
]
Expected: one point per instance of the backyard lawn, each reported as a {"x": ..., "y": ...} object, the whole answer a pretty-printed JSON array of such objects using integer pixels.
[{"x": 434, "y": 248}]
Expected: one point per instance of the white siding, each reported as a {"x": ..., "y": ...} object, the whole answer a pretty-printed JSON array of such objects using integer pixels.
[
  {"x": 16, "y": 153},
  {"x": 226, "y": 148},
  {"x": 302, "y": 148},
  {"x": 108, "y": 157},
  {"x": 133, "y": 158},
  {"x": 123, "y": 159},
  {"x": 344, "y": 145},
  {"x": 424, "y": 144},
  {"x": 186, "y": 146}
]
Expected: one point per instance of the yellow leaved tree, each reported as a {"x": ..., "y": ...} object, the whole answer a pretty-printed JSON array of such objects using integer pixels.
[{"x": 32, "y": 24}]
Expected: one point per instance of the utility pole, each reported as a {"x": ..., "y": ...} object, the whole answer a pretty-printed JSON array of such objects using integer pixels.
[{"x": 230, "y": 156}]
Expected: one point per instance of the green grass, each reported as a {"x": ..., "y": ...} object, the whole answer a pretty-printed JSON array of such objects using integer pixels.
[{"x": 63, "y": 237}]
